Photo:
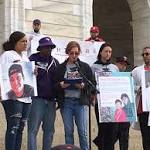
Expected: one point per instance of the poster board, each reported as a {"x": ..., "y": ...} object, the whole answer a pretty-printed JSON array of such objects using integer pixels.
[
  {"x": 17, "y": 80},
  {"x": 113, "y": 87}
]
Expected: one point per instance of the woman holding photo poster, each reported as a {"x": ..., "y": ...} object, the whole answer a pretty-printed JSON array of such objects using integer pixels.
[
  {"x": 74, "y": 94},
  {"x": 104, "y": 139},
  {"x": 16, "y": 109}
]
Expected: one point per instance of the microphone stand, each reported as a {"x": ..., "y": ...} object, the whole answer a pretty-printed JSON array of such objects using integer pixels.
[{"x": 93, "y": 87}]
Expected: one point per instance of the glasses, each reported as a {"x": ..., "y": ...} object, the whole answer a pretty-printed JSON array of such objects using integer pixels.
[
  {"x": 74, "y": 53},
  {"x": 145, "y": 54}
]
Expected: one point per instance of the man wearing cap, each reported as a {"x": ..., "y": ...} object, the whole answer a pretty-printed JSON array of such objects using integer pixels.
[
  {"x": 94, "y": 32},
  {"x": 18, "y": 88},
  {"x": 34, "y": 37},
  {"x": 43, "y": 108},
  {"x": 121, "y": 130},
  {"x": 122, "y": 63}
]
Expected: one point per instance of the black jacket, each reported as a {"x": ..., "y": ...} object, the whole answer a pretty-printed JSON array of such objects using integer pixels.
[{"x": 85, "y": 92}]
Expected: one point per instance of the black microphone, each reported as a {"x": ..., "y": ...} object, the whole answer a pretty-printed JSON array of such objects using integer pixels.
[
  {"x": 77, "y": 64},
  {"x": 84, "y": 76}
]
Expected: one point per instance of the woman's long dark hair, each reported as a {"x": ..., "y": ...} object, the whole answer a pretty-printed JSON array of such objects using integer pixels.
[
  {"x": 13, "y": 39},
  {"x": 125, "y": 95},
  {"x": 101, "y": 49}
]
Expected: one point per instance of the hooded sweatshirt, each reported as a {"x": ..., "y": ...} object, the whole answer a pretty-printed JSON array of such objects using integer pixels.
[{"x": 46, "y": 73}]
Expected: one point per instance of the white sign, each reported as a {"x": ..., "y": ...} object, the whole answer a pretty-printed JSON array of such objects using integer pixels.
[{"x": 89, "y": 50}]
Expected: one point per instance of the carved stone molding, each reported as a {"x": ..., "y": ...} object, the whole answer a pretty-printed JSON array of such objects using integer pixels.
[
  {"x": 87, "y": 13},
  {"x": 14, "y": 16}
]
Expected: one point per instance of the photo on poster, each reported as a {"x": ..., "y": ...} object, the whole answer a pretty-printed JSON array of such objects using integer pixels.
[
  {"x": 116, "y": 100},
  {"x": 146, "y": 90},
  {"x": 17, "y": 80}
]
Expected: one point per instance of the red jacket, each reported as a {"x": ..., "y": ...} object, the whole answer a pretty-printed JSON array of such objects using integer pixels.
[{"x": 120, "y": 115}]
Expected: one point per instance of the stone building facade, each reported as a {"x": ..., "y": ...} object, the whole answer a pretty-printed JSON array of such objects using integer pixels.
[{"x": 124, "y": 23}]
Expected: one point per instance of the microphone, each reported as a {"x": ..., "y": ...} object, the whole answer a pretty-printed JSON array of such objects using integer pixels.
[
  {"x": 84, "y": 76},
  {"x": 77, "y": 64}
]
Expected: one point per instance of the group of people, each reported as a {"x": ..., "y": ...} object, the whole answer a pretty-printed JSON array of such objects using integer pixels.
[
  {"x": 51, "y": 85},
  {"x": 66, "y": 84}
]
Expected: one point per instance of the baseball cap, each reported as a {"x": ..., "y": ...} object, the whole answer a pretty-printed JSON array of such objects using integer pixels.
[
  {"x": 36, "y": 21},
  {"x": 94, "y": 29},
  {"x": 122, "y": 59}
]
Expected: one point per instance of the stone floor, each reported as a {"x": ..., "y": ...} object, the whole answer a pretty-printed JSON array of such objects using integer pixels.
[{"x": 134, "y": 143}]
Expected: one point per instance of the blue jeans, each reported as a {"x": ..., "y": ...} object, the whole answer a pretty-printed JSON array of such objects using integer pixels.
[
  {"x": 72, "y": 110},
  {"x": 42, "y": 111},
  {"x": 16, "y": 115}
]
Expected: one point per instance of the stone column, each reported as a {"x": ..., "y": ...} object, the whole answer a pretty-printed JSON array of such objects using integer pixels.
[
  {"x": 1, "y": 23},
  {"x": 14, "y": 16},
  {"x": 141, "y": 27},
  {"x": 87, "y": 13}
]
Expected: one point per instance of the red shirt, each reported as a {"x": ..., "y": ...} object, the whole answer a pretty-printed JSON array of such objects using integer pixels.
[{"x": 120, "y": 115}]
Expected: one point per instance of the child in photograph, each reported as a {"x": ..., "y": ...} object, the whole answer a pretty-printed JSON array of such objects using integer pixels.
[{"x": 120, "y": 115}]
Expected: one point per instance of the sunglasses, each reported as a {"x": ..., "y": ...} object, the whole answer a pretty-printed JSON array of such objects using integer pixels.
[
  {"x": 145, "y": 54},
  {"x": 74, "y": 53}
]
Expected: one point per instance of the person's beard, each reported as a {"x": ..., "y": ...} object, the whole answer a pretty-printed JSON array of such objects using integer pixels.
[
  {"x": 93, "y": 37},
  {"x": 36, "y": 30}
]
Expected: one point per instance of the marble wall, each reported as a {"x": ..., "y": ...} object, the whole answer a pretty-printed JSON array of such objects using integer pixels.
[
  {"x": 141, "y": 27},
  {"x": 61, "y": 19},
  {"x": 71, "y": 19},
  {"x": 1, "y": 22}
]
